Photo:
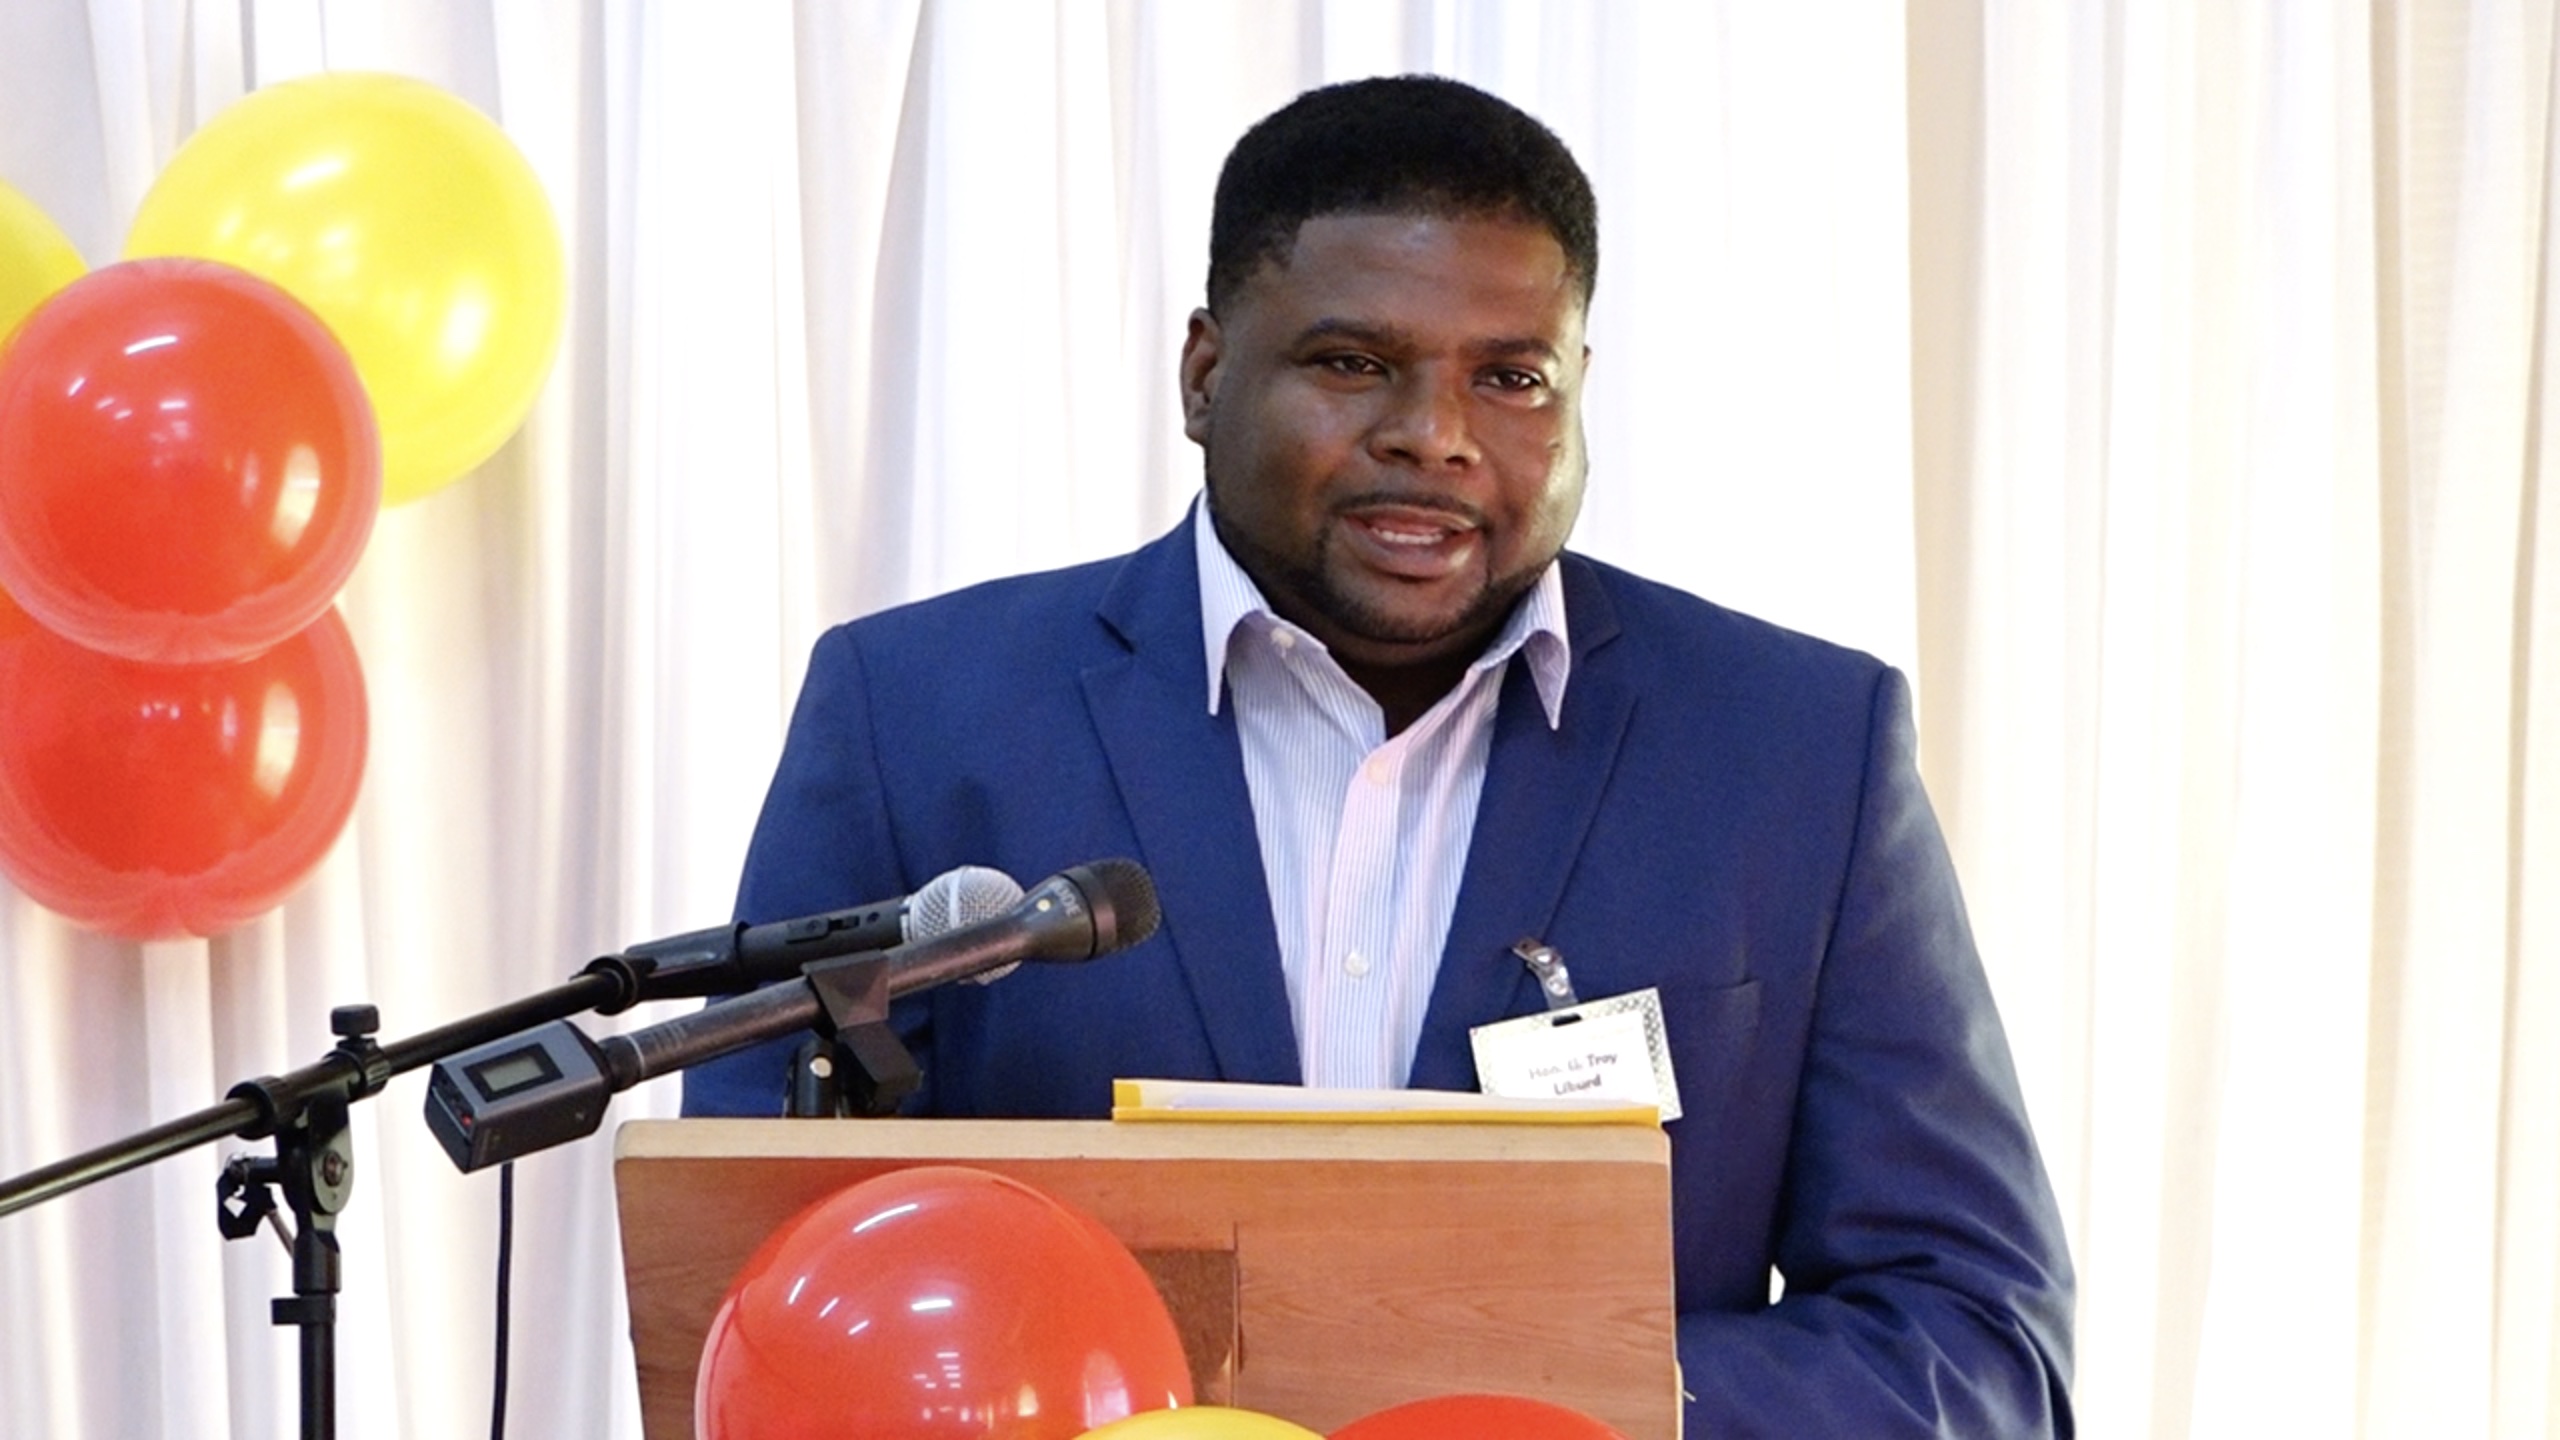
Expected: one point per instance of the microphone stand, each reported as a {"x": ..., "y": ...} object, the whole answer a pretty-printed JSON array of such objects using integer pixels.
[{"x": 314, "y": 1162}]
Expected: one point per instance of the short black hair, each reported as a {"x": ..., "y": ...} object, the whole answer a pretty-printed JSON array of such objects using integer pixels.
[{"x": 1404, "y": 144}]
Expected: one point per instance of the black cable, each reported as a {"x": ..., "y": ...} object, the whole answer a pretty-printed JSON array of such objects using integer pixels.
[{"x": 506, "y": 1265}]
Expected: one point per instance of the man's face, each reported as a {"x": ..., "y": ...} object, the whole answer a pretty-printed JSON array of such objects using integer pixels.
[{"x": 1393, "y": 423}]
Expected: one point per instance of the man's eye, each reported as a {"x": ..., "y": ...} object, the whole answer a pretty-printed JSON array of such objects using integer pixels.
[
  {"x": 1511, "y": 378},
  {"x": 1349, "y": 365}
]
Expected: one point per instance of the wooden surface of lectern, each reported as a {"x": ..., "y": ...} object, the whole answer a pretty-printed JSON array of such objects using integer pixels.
[{"x": 1318, "y": 1270}]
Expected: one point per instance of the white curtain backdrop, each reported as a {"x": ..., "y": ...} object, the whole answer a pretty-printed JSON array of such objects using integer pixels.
[{"x": 2168, "y": 384}]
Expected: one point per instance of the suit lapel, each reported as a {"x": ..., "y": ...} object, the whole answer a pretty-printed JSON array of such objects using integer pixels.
[
  {"x": 1541, "y": 791},
  {"x": 1181, "y": 775}
]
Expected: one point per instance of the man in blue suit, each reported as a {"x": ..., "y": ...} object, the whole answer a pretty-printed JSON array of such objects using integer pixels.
[{"x": 1367, "y": 724}]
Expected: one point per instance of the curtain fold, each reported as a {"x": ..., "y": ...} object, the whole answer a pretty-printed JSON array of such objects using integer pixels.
[
  {"x": 2463, "y": 175},
  {"x": 2164, "y": 383}
]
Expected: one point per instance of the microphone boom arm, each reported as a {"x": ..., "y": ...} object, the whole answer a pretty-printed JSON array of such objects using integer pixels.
[{"x": 551, "y": 1085}]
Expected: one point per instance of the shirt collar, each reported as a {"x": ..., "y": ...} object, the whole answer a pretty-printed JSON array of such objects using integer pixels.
[{"x": 1229, "y": 600}]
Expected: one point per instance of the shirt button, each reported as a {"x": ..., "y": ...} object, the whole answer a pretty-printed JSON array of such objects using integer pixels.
[
  {"x": 1377, "y": 770},
  {"x": 1355, "y": 964},
  {"x": 1283, "y": 641}
]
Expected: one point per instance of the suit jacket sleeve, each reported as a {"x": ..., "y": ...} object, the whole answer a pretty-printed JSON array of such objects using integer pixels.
[
  {"x": 1927, "y": 1286},
  {"x": 823, "y": 842}
]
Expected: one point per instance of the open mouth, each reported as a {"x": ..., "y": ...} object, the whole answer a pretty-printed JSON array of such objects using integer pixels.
[{"x": 1410, "y": 542}]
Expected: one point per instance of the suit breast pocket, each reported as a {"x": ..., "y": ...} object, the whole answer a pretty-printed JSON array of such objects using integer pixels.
[{"x": 1712, "y": 1035}]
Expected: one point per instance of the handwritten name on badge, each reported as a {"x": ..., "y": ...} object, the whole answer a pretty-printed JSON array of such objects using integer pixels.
[{"x": 1577, "y": 1075}]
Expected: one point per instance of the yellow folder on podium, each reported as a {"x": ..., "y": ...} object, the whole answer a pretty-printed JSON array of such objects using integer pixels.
[{"x": 1218, "y": 1100}]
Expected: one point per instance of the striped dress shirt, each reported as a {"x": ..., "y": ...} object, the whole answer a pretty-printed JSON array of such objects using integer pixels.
[{"x": 1364, "y": 836}]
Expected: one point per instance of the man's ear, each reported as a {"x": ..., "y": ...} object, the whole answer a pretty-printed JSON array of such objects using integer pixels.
[{"x": 1199, "y": 374}]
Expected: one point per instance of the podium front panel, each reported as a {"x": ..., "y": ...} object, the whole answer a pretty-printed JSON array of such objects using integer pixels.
[{"x": 1330, "y": 1269}]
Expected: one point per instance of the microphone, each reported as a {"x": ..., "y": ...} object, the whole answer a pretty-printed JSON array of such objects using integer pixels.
[
  {"x": 551, "y": 1084},
  {"x": 1077, "y": 914},
  {"x": 737, "y": 956}
]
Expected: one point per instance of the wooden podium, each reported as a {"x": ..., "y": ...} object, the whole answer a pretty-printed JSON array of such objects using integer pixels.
[{"x": 1318, "y": 1270}]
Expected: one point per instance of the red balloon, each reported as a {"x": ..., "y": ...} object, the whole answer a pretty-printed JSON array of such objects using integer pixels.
[
  {"x": 152, "y": 801},
  {"x": 937, "y": 1301},
  {"x": 1477, "y": 1417},
  {"x": 188, "y": 465}
]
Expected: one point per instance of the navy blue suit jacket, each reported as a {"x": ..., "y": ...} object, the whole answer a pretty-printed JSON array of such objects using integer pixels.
[{"x": 1728, "y": 812}]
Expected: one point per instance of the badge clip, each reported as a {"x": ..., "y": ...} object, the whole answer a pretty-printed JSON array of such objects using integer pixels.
[{"x": 1546, "y": 963}]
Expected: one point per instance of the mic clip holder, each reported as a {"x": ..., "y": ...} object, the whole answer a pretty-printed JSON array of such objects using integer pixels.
[
  {"x": 315, "y": 1167},
  {"x": 854, "y": 1064}
]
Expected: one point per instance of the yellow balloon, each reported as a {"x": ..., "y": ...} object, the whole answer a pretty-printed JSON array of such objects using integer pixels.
[
  {"x": 1201, "y": 1422},
  {"x": 406, "y": 220},
  {"x": 36, "y": 259}
]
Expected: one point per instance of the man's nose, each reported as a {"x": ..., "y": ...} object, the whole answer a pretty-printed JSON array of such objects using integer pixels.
[{"x": 1426, "y": 423}]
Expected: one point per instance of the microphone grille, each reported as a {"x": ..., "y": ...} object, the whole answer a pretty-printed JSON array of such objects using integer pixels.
[
  {"x": 1128, "y": 895},
  {"x": 957, "y": 899}
]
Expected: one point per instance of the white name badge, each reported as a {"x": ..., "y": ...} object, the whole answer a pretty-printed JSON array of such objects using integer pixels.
[{"x": 1609, "y": 1048}]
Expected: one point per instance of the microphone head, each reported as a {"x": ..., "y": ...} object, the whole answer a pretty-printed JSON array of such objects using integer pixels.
[
  {"x": 1077, "y": 914},
  {"x": 956, "y": 899},
  {"x": 1122, "y": 898}
]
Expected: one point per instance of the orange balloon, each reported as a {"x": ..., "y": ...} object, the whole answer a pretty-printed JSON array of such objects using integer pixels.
[
  {"x": 937, "y": 1301},
  {"x": 153, "y": 801},
  {"x": 1477, "y": 1417},
  {"x": 188, "y": 468}
]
